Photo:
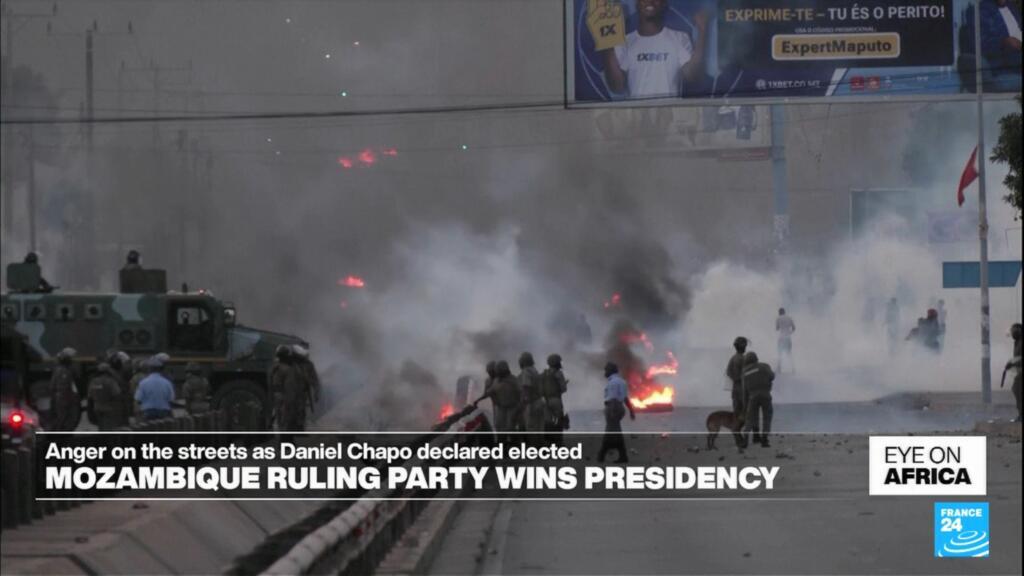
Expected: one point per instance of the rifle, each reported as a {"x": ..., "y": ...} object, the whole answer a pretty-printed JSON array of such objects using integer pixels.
[{"x": 1002, "y": 381}]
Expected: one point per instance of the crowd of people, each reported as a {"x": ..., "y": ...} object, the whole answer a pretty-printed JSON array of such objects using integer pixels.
[{"x": 121, "y": 389}]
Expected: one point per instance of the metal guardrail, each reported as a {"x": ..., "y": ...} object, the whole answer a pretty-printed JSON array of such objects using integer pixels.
[{"x": 356, "y": 540}]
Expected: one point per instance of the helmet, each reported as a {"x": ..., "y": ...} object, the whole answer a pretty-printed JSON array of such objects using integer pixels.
[
  {"x": 555, "y": 361},
  {"x": 525, "y": 360},
  {"x": 133, "y": 256},
  {"x": 103, "y": 367},
  {"x": 66, "y": 355},
  {"x": 1015, "y": 331},
  {"x": 502, "y": 369},
  {"x": 933, "y": 313},
  {"x": 300, "y": 351},
  {"x": 31, "y": 258},
  {"x": 283, "y": 352},
  {"x": 740, "y": 343},
  {"x": 492, "y": 369},
  {"x": 750, "y": 358},
  {"x": 192, "y": 368},
  {"x": 611, "y": 368},
  {"x": 162, "y": 357}
]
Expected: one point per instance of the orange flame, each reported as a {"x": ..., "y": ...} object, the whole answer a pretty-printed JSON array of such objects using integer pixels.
[
  {"x": 446, "y": 410},
  {"x": 352, "y": 282},
  {"x": 662, "y": 397},
  {"x": 671, "y": 367},
  {"x": 345, "y": 162}
]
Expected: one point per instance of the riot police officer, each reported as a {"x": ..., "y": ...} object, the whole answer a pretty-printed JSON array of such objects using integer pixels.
[
  {"x": 553, "y": 385},
  {"x": 532, "y": 401},
  {"x": 757, "y": 383},
  {"x": 506, "y": 396}
]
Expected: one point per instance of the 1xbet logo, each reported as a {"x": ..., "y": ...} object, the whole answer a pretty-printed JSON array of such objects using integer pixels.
[{"x": 961, "y": 529}]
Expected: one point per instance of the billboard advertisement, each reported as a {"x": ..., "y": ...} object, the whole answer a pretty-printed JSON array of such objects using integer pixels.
[{"x": 666, "y": 51}]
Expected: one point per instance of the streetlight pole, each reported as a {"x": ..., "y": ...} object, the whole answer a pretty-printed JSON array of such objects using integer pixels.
[{"x": 986, "y": 345}]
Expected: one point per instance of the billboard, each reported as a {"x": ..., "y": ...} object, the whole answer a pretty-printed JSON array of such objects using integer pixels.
[{"x": 668, "y": 51}]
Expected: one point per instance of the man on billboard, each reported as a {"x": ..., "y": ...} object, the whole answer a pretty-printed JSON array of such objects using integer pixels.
[
  {"x": 656, "y": 61},
  {"x": 1000, "y": 42}
]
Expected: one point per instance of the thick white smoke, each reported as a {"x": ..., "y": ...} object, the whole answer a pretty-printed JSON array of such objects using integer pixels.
[{"x": 841, "y": 346}]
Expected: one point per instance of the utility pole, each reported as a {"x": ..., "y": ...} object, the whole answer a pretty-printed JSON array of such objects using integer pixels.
[
  {"x": 779, "y": 182},
  {"x": 159, "y": 75},
  {"x": 13, "y": 23},
  {"x": 89, "y": 244},
  {"x": 32, "y": 245},
  {"x": 986, "y": 345},
  {"x": 89, "y": 91}
]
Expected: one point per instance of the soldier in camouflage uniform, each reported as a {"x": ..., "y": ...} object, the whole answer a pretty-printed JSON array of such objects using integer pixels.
[
  {"x": 105, "y": 393},
  {"x": 289, "y": 390},
  {"x": 121, "y": 365},
  {"x": 195, "y": 390},
  {"x": 133, "y": 261},
  {"x": 553, "y": 385},
  {"x": 64, "y": 401},
  {"x": 281, "y": 355},
  {"x": 532, "y": 402}
]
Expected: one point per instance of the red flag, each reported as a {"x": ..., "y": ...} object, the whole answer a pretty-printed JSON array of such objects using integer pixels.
[{"x": 970, "y": 175}]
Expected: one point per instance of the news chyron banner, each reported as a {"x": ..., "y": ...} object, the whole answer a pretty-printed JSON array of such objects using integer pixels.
[{"x": 667, "y": 51}]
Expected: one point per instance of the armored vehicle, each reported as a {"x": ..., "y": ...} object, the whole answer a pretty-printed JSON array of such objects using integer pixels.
[{"x": 142, "y": 319}]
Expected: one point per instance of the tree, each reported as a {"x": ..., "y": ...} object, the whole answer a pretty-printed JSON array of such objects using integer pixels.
[{"x": 1008, "y": 151}]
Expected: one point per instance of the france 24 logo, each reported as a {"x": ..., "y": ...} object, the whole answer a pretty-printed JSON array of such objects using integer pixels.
[{"x": 961, "y": 529}]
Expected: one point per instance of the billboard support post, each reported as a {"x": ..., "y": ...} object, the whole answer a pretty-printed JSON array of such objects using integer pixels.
[
  {"x": 986, "y": 348},
  {"x": 779, "y": 190}
]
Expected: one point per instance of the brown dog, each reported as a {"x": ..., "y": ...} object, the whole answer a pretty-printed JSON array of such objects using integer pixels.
[{"x": 723, "y": 419}]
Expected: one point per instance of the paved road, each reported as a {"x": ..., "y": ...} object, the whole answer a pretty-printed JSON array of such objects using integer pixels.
[{"x": 848, "y": 533}]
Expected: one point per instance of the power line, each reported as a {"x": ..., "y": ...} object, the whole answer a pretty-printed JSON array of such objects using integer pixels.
[{"x": 540, "y": 105}]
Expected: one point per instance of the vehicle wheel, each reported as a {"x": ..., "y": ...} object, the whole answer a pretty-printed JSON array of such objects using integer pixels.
[{"x": 231, "y": 398}]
